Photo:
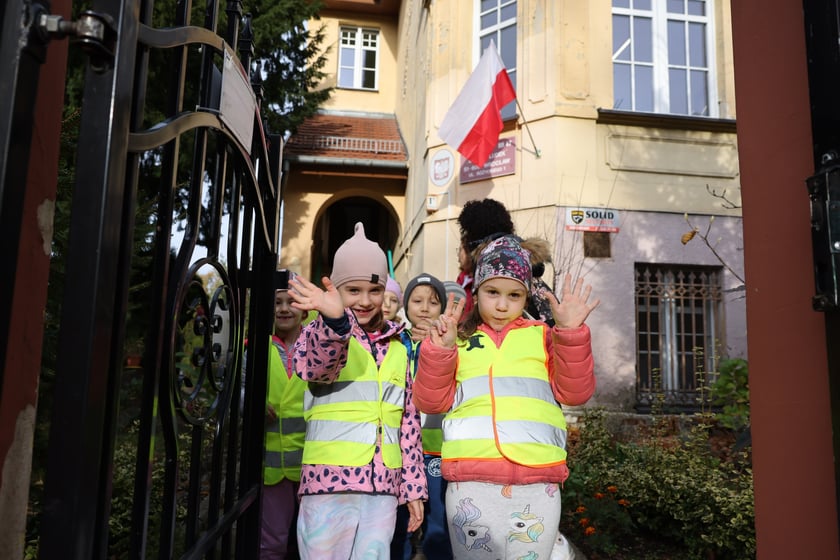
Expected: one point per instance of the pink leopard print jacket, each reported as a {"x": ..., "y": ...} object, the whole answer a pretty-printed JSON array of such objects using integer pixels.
[{"x": 319, "y": 355}]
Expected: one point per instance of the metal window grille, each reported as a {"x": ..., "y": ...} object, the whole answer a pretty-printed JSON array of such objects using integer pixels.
[{"x": 678, "y": 322}]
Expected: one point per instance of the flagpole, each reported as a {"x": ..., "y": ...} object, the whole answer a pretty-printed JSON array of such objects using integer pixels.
[{"x": 528, "y": 128}]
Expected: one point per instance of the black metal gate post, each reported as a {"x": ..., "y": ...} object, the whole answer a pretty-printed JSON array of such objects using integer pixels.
[
  {"x": 77, "y": 493},
  {"x": 213, "y": 177}
]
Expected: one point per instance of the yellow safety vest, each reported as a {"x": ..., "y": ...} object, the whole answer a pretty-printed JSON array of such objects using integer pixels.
[
  {"x": 344, "y": 418},
  {"x": 285, "y": 436},
  {"x": 504, "y": 406}
]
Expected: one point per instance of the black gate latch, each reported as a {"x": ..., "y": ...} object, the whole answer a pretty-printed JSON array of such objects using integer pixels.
[
  {"x": 95, "y": 33},
  {"x": 824, "y": 195}
]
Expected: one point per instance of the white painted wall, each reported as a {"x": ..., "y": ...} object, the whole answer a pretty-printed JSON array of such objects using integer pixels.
[{"x": 651, "y": 238}]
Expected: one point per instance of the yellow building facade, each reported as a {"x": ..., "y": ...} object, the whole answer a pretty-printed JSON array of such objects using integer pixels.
[{"x": 621, "y": 141}]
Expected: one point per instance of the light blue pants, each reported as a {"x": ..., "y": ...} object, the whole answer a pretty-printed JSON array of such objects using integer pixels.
[
  {"x": 490, "y": 521},
  {"x": 346, "y": 526}
]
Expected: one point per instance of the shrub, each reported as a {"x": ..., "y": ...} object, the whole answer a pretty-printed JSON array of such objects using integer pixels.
[
  {"x": 731, "y": 393},
  {"x": 601, "y": 518},
  {"x": 674, "y": 487}
]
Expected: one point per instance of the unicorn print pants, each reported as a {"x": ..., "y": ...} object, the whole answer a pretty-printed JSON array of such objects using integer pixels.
[{"x": 502, "y": 522}]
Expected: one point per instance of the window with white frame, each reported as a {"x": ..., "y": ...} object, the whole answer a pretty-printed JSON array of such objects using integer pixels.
[
  {"x": 663, "y": 56},
  {"x": 358, "y": 58},
  {"x": 497, "y": 22},
  {"x": 678, "y": 328}
]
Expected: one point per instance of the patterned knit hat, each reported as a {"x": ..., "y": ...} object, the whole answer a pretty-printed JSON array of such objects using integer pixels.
[
  {"x": 393, "y": 286},
  {"x": 504, "y": 258},
  {"x": 359, "y": 259}
]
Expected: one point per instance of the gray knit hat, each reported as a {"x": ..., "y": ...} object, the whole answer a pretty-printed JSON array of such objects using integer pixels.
[
  {"x": 453, "y": 287},
  {"x": 359, "y": 259},
  {"x": 426, "y": 279}
]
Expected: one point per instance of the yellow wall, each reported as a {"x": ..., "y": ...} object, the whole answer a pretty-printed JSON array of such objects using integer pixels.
[
  {"x": 564, "y": 76},
  {"x": 381, "y": 101}
]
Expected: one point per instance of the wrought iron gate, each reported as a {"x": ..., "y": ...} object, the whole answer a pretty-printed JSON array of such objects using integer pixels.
[{"x": 196, "y": 185}]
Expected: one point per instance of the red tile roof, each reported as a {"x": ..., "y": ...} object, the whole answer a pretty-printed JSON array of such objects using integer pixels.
[{"x": 349, "y": 137}]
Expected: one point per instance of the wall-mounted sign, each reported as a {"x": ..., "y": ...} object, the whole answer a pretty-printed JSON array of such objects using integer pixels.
[
  {"x": 592, "y": 219},
  {"x": 238, "y": 105},
  {"x": 501, "y": 162},
  {"x": 442, "y": 168}
]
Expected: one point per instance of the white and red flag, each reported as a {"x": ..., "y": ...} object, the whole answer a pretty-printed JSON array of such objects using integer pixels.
[{"x": 473, "y": 122}]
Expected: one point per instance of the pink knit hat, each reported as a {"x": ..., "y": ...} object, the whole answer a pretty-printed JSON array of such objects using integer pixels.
[
  {"x": 393, "y": 286},
  {"x": 360, "y": 259}
]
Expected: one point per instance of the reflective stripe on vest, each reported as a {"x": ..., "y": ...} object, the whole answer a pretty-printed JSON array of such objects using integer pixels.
[
  {"x": 344, "y": 418},
  {"x": 276, "y": 459},
  {"x": 432, "y": 432},
  {"x": 504, "y": 406},
  {"x": 284, "y": 436},
  {"x": 289, "y": 424}
]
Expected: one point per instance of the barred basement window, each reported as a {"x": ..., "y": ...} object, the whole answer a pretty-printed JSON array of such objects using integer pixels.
[{"x": 679, "y": 322}]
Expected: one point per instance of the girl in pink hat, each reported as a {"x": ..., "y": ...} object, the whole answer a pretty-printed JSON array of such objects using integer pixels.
[
  {"x": 362, "y": 455},
  {"x": 392, "y": 302}
]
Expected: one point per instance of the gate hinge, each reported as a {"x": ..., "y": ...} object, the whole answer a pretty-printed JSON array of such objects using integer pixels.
[{"x": 94, "y": 32}]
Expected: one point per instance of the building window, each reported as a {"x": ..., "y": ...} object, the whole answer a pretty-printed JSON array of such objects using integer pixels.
[
  {"x": 497, "y": 22},
  {"x": 358, "y": 58},
  {"x": 678, "y": 327},
  {"x": 663, "y": 56}
]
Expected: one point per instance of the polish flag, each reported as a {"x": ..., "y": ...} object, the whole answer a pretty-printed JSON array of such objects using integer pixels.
[{"x": 473, "y": 122}]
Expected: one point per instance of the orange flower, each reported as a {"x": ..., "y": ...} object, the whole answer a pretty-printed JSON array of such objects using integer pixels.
[
  {"x": 584, "y": 521},
  {"x": 599, "y": 496},
  {"x": 580, "y": 509},
  {"x": 623, "y": 502},
  {"x": 589, "y": 531},
  {"x": 612, "y": 489}
]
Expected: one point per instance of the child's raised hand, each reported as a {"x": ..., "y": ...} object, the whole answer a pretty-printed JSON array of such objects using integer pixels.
[
  {"x": 444, "y": 330},
  {"x": 307, "y": 296},
  {"x": 572, "y": 309}
]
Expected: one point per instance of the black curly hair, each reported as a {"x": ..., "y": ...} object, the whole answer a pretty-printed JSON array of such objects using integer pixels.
[{"x": 483, "y": 220}]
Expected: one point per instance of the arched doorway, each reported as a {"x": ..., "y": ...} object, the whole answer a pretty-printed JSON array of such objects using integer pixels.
[{"x": 335, "y": 225}]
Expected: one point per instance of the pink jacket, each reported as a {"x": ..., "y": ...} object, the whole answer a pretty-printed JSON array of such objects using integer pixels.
[
  {"x": 319, "y": 355},
  {"x": 572, "y": 374}
]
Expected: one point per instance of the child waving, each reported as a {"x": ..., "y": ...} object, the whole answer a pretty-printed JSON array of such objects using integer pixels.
[
  {"x": 362, "y": 454},
  {"x": 502, "y": 379}
]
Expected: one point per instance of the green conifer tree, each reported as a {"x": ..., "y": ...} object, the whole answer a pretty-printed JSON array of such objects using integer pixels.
[{"x": 288, "y": 43}]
